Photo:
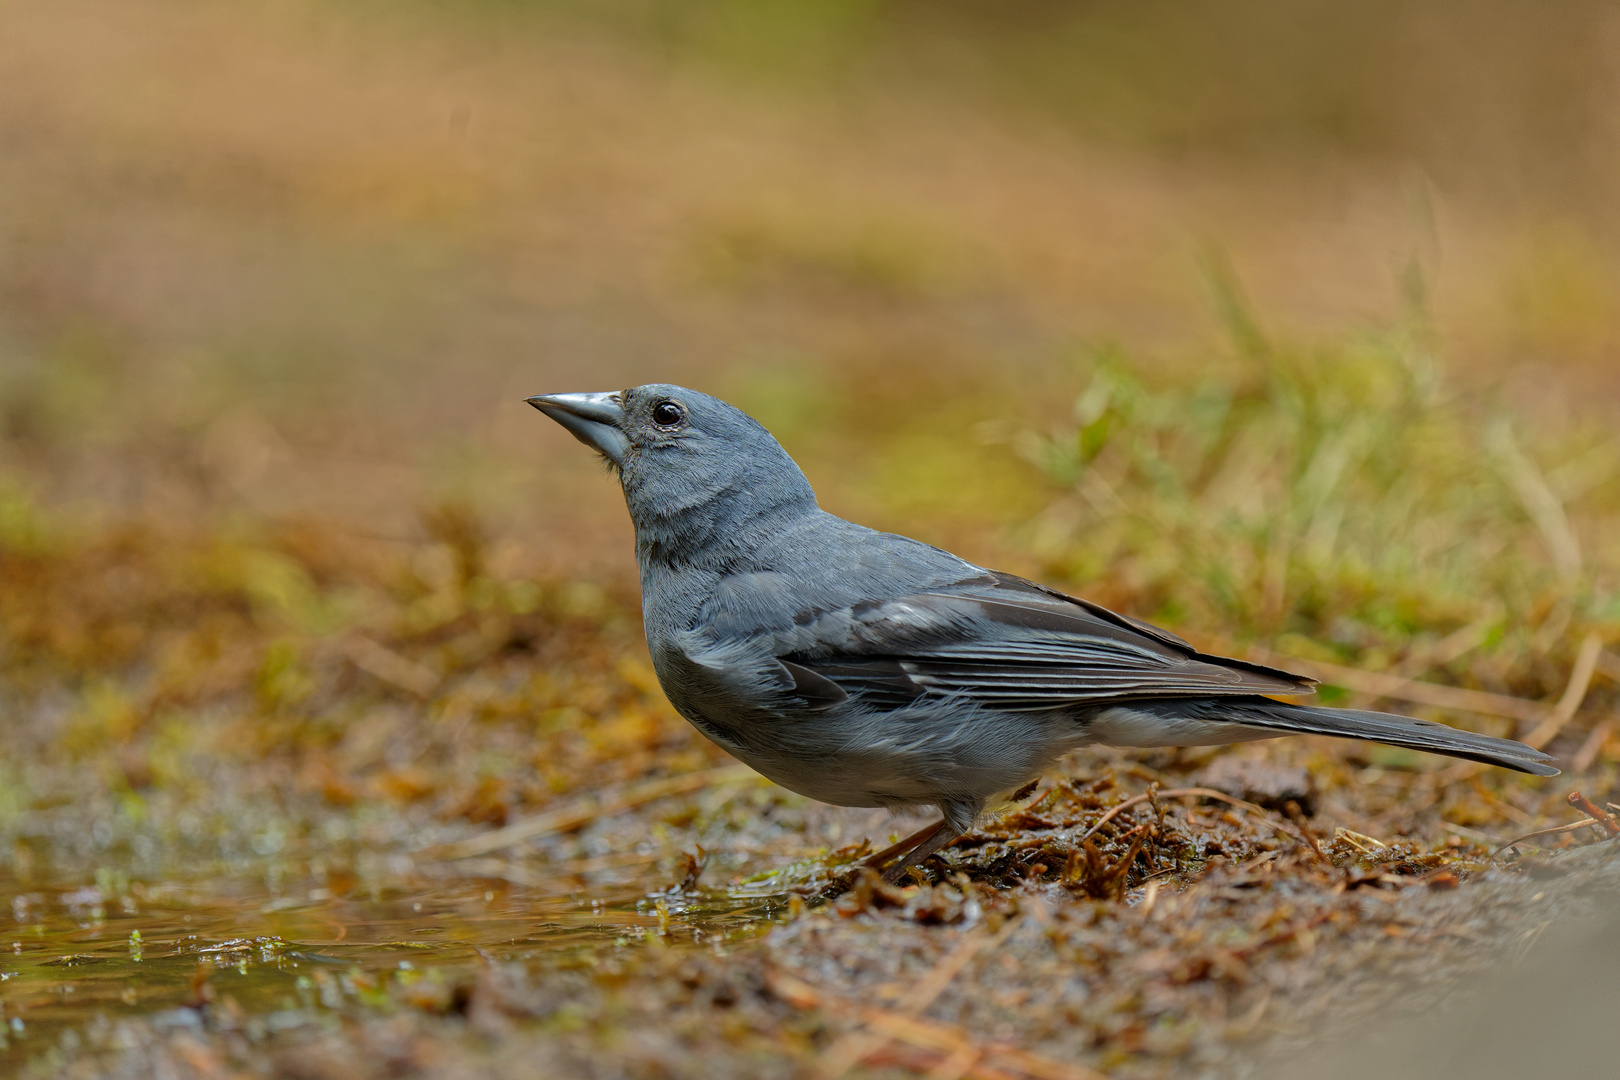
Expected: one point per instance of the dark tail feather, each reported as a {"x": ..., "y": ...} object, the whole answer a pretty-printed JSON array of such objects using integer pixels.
[{"x": 1386, "y": 728}]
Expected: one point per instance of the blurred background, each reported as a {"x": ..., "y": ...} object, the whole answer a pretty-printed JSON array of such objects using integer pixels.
[{"x": 307, "y": 258}]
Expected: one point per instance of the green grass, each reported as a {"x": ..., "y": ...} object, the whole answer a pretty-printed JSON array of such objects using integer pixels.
[{"x": 1338, "y": 497}]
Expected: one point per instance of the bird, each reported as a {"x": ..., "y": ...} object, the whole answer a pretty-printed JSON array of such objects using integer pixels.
[{"x": 863, "y": 668}]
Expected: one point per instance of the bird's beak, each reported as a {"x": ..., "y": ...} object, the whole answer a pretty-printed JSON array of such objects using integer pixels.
[{"x": 594, "y": 419}]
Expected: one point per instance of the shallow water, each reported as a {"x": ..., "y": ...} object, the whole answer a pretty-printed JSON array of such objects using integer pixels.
[{"x": 84, "y": 953}]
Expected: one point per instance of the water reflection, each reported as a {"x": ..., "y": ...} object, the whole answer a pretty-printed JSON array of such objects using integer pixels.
[{"x": 72, "y": 953}]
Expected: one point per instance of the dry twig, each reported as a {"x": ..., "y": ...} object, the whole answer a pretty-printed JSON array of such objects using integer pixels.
[
  {"x": 1554, "y": 831},
  {"x": 381, "y": 662},
  {"x": 1548, "y": 727},
  {"x": 857, "y": 1046},
  {"x": 1194, "y": 792},
  {"x": 949, "y": 1041},
  {"x": 1598, "y": 819},
  {"x": 1580, "y": 679},
  {"x": 1378, "y": 684},
  {"x": 1591, "y": 809}
]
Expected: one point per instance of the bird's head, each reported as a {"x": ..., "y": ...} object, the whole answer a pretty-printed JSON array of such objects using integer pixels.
[{"x": 688, "y": 461}]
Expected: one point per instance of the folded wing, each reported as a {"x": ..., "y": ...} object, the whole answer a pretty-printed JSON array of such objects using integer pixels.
[{"x": 1007, "y": 644}]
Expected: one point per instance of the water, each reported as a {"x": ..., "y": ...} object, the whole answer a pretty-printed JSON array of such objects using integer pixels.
[{"x": 74, "y": 953}]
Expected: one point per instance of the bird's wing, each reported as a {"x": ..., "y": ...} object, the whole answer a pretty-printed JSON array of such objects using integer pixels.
[{"x": 1007, "y": 644}]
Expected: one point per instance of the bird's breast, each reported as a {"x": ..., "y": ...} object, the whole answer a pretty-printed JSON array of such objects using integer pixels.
[{"x": 706, "y": 694}]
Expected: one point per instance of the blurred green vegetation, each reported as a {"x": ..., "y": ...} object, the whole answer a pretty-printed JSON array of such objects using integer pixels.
[{"x": 1339, "y": 499}]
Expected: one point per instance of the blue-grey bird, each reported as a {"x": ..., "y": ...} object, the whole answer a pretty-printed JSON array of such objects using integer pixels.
[{"x": 862, "y": 668}]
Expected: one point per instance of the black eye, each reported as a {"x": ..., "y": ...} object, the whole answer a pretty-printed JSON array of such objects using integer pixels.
[{"x": 667, "y": 414}]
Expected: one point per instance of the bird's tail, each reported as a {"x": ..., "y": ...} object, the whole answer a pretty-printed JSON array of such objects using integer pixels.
[{"x": 1267, "y": 717}]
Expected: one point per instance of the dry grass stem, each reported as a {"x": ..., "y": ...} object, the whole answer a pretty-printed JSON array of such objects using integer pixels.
[
  {"x": 953, "y": 1043},
  {"x": 1202, "y": 793},
  {"x": 857, "y": 1046},
  {"x": 1376, "y": 684},
  {"x": 1556, "y": 830},
  {"x": 389, "y": 666},
  {"x": 1580, "y": 680},
  {"x": 1597, "y": 818}
]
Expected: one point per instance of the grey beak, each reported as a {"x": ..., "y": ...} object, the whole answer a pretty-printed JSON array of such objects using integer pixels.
[{"x": 594, "y": 419}]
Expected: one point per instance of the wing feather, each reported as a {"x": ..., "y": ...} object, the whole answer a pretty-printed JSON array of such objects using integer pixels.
[{"x": 1016, "y": 646}]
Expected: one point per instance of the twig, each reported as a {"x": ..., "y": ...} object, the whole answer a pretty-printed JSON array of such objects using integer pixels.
[
  {"x": 1359, "y": 841},
  {"x": 1137, "y": 800},
  {"x": 1097, "y": 875},
  {"x": 857, "y": 1046},
  {"x": 1455, "y": 644},
  {"x": 1554, "y": 831},
  {"x": 384, "y": 663},
  {"x": 1150, "y": 894},
  {"x": 1466, "y": 833},
  {"x": 1297, "y": 816},
  {"x": 582, "y": 812},
  {"x": 949, "y": 1038},
  {"x": 1398, "y": 688},
  {"x": 944, "y": 1039},
  {"x": 1580, "y": 678},
  {"x": 1199, "y": 792},
  {"x": 1549, "y": 722},
  {"x": 960, "y": 1064},
  {"x": 1597, "y": 817},
  {"x": 1591, "y": 809}
]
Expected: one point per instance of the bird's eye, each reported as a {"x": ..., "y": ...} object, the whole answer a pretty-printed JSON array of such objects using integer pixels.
[{"x": 667, "y": 414}]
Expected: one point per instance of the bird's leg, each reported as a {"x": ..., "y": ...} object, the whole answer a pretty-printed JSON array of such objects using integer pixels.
[
  {"x": 876, "y": 861},
  {"x": 921, "y": 844},
  {"x": 942, "y": 838}
]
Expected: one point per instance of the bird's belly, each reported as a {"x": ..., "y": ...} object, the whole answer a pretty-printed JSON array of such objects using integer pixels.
[{"x": 918, "y": 755}]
